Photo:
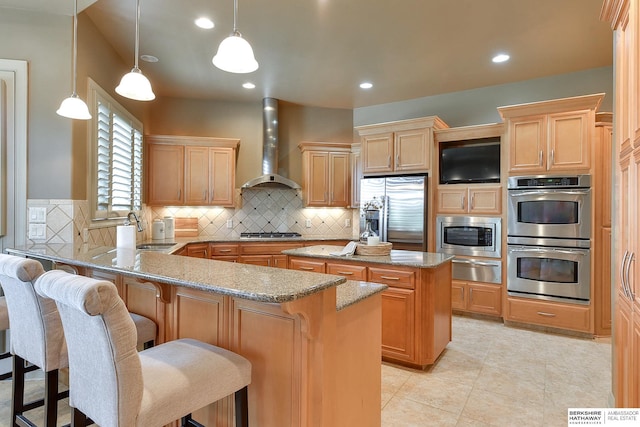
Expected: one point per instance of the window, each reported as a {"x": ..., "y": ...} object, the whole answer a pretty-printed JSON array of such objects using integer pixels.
[{"x": 116, "y": 158}]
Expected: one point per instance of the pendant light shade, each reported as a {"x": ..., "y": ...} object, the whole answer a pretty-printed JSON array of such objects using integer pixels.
[
  {"x": 74, "y": 107},
  {"x": 235, "y": 54},
  {"x": 135, "y": 85}
]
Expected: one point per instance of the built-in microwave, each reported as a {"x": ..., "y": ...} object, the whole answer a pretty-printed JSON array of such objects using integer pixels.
[{"x": 469, "y": 235}]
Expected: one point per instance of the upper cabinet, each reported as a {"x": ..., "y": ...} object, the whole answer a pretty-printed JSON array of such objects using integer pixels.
[
  {"x": 398, "y": 147},
  {"x": 192, "y": 171},
  {"x": 356, "y": 175},
  {"x": 326, "y": 174},
  {"x": 551, "y": 136}
]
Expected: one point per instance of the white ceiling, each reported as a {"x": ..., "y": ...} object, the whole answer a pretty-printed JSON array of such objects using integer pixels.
[
  {"x": 59, "y": 7},
  {"x": 316, "y": 52}
]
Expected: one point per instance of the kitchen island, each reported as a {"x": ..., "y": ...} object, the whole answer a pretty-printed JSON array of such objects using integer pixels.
[
  {"x": 312, "y": 365},
  {"x": 416, "y": 308}
]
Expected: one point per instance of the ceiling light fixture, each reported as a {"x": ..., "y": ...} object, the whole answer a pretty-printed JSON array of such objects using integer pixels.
[
  {"x": 135, "y": 85},
  {"x": 204, "y": 23},
  {"x": 366, "y": 85},
  {"x": 74, "y": 107},
  {"x": 501, "y": 57},
  {"x": 248, "y": 85},
  {"x": 235, "y": 54}
]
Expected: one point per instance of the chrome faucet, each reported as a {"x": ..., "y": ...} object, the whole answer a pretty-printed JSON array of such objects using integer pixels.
[{"x": 135, "y": 217}]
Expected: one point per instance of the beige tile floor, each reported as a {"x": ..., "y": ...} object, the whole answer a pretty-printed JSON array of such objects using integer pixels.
[
  {"x": 494, "y": 375},
  {"x": 489, "y": 375}
]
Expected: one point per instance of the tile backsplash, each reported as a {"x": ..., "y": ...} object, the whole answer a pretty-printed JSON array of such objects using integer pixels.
[{"x": 69, "y": 221}]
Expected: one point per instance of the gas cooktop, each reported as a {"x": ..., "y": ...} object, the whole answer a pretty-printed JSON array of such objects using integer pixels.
[{"x": 270, "y": 235}]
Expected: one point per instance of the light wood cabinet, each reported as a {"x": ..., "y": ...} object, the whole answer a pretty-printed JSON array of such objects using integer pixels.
[
  {"x": 476, "y": 297},
  {"x": 210, "y": 176},
  {"x": 265, "y": 254},
  {"x": 460, "y": 198},
  {"x": 551, "y": 136},
  {"x": 165, "y": 174},
  {"x": 624, "y": 16},
  {"x": 326, "y": 171},
  {"x": 546, "y": 313},
  {"x": 193, "y": 171},
  {"x": 416, "y": 308},
  {"x": 356, "y": 175},
  {"x": 198, "y": 250},
  {"x": 398, "y": 147}
]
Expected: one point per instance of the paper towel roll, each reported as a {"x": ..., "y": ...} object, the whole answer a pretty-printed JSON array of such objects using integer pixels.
[
  {"x": 126, "y": 236},
  {"x": 125, "y": 257}
]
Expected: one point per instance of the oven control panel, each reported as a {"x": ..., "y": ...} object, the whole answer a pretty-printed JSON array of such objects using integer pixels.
[{"x": 516, "y": 182}]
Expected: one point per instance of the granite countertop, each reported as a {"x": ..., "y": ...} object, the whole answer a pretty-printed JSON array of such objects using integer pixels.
[
  {"x": 353, "y": 291},
  {"x": 251, "y": 282},
  {"x": 396, "y": 257}
]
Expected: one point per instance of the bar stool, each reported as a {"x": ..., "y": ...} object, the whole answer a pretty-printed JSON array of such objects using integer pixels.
[
  {"x": 37, "y": 337},
  {"x": 115, "y": 385},
  {"x": 4, "y": 326}
]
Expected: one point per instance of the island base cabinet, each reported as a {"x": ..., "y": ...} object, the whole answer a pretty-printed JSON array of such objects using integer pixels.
[
  {"x": 398, "y": 314},
  {"x": 311, "y": 364}
]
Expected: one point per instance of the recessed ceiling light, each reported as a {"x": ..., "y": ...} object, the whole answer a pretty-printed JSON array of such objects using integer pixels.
[
  {"x": 248, "y": 85},
  {"x": 366, "y": 85},
  {"x": 501, "y": 57},
  {"x": 204, "y": 23},
  {"x": 149, "y": 58}
]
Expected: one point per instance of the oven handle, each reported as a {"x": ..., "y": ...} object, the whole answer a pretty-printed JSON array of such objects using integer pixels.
[
  {"x": 582, "y": 252},
  {"x": 547, "y": 192},
  {"x": 483, "y": 264}
]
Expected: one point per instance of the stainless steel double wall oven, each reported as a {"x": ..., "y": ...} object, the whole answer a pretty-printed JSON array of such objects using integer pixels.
[{"x": 549, "y": 237}]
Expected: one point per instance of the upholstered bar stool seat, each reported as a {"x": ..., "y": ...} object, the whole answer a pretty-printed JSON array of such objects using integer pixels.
[
  {"x": 146, "y": 329},
  {"x": 113, "y": 384}
]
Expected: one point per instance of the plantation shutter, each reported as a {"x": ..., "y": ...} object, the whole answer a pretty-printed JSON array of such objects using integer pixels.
[{"x": 119, "y": 160}]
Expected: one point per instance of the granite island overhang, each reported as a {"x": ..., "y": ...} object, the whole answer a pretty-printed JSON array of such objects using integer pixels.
[{"x": 316, "y": 360}]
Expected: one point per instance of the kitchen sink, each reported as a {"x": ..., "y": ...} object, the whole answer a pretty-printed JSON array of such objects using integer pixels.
[{"x": 155, "y": 246}]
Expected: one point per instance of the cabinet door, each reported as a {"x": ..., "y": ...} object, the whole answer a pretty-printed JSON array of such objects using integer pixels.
[
  {"x": 197, "y": 176},
  {"x": 452, "y": 200},
  {"x": 222, "y": 176},
  {"x": 458, "y": 291},
  {"x": 485, "y": 200},
  {"x": 317, "y": 179},
  {"x": 377, "y": 153},
  {"x": 412, "y": 150},
  {"x": 279, "y": 261},
  {"x": 484, "y": 298},
  {"x": 398, "y": 323},
  {"x": 263, "y": 260},
  {"x": 198, "y": 250},
  {"x": 569, "y": 141},
  {"x": 339, "y": 179},
  {"x": 622, "y": 363},
  {"x": 527, "y": 144},
  {"x": 356, "y": 176},
  {"x": 166, "y": 174}
]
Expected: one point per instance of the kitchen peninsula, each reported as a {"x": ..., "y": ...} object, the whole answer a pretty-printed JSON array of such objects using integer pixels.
[
  {"x": 416, "y": 308},
  {"x": 314, "y": 340}
]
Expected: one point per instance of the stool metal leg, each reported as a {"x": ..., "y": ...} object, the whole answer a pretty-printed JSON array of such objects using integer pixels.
[
  {"x": 51, "y": 398},
  {"x": 78, "y": 419},
  {"x": 242, "y": 407}
]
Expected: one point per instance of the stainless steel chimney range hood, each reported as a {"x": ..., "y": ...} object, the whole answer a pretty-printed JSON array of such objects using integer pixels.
[{"x": 270, "y": 177}]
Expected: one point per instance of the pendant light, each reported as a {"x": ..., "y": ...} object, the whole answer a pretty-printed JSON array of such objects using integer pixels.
[
  {"x": 74, "y": 107},
  {"x": 135, "y": 85},
  {"x": 234, "y": 53}
]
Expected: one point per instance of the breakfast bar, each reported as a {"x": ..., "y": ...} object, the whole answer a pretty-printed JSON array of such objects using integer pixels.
[{"x": 314, "y": 340}]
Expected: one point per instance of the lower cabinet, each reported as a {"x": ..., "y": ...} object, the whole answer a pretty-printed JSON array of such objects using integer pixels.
[
  {"x": 476, "y": 297},
  {"x": 548, "y": 313},
  {"x": 198, "y": 250},
  {"x": 416, "y": 308}
]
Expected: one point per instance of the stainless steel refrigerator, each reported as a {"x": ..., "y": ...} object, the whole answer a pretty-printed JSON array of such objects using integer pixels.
[{"x": 402, "y": 219}]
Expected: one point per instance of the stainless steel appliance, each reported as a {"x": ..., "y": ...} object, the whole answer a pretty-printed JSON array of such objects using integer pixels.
[
  {"x": 545, "y": 272},
  {"x": 469, "y": 235},
  {"x": 402, "y": 217},
  {"x": 549, "y": 238},
  {"x": 549, "y": 206},
  {"x": 477, "y": 270}
]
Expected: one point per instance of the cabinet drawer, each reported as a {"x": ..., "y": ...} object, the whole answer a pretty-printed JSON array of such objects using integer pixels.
[
  {"x": 395, "y": 278},
  {"x": 267, "y": 248},
  {"x": 223, "y": 250},
  {"x": 563, "y": 316},
  {"x": 353, "y": 272},
  {"x": 304, "y": 265}
]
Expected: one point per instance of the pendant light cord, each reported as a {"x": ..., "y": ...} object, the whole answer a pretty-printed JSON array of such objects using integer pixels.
[
  {"x": 75, "y": 47},
  {"x": 137, "y": 33},
  {"x": 235, "y": 14}
]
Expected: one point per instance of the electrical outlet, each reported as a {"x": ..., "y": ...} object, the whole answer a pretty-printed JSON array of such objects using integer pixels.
[
  {"x": 38, "y": 215},
  {"x": 347, "y": 223},
  {"x": 229, "y": 223},
  {"x": 307, "y": 223},
  {"x": 37, "y": 231}
]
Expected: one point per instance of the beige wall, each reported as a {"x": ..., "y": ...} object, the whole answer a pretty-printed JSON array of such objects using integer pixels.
[{"x": 176, "y": 116}]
